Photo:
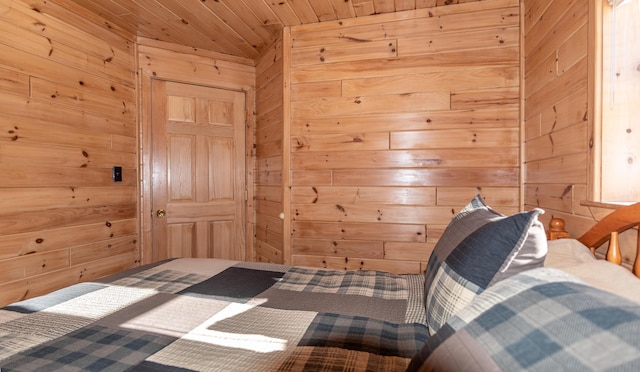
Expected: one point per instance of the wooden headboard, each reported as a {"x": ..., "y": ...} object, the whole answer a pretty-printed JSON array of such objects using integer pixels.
[{"x": 608, "y": 228}]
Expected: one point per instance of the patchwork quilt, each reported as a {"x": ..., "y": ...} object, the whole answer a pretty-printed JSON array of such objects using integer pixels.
[{"x": 218, "y": 315}]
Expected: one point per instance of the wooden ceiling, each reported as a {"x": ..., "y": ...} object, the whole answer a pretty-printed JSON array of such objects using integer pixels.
[{"x": 237, "y": 27}]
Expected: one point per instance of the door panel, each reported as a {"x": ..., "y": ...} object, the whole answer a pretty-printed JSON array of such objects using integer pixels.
[
  {"x": 198, "y": 171},
  {"x": 180, "y": 237},
  {"x": 181, "y": 154}
]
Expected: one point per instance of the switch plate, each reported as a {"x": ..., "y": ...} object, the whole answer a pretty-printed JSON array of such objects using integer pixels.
[{"x": 117, "y": 174}]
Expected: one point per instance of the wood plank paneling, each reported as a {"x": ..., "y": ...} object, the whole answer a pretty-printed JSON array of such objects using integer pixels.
[
  {"x": 566, "y": 141},
  {"x": 502, "y": 199},
  {"x": 68, "y": 108},
  {"x": 456, "y": 138},
  {"x": 337, "y": 248},
  {"x": 365, "y": 195},
  {"x": 414, "y": 120},
  {"x": 55, "y": 23},
  {"x": 269, "y": 153},
  {"x": 61, "y": 238},
  {"x": 427, "y": 63},
  {"x": 13, "y": 81},
  {"x": 464, "y": 40},
  {"x": 18, "y": 200},
  {"x": 414, "y": 158},
  {"x": 427, "y": 177},
  {"x": 341, "y": 142},
  {"x": 342, "y": 53},
  {"x": 85, "y": 100},
  {"x": 450, "y": 80},
  {"x": 359, "y": 231},
  {"x": 38, "y": 113},
  {"x": 385, "y": 147},
  {"x": 36, "y": 285},
  {"x": 372, "y": 213},
  {"x": 371, "y": 104},
  {"x": 557, "y": 134}
]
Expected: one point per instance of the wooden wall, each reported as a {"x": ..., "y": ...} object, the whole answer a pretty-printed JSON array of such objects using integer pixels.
[
  {"x": 397, "y": 121},
  {"x": 269, "y": 191},
  {"x": 556, "y": 125},
  {"x": 559, "y": 129},
  {"x": 68, "y": 115}
]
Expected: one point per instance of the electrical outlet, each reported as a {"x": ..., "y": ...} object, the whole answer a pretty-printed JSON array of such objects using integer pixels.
[{"x": 117, "y": 174}]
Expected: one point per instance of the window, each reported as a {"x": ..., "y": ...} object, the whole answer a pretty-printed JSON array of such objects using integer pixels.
[{"x": 617, "y": 113}]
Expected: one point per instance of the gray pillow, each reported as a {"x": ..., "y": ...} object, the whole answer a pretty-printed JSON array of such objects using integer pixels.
[
  {"x": 542, "y": 320},
  {"x": 477, "y": 249}
]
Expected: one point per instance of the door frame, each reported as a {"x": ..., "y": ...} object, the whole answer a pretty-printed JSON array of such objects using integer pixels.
[{"x": 146, "y": 78}]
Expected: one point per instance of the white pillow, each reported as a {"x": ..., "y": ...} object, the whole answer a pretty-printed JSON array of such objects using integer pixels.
[
  {"x": 567, "y": 253},
  {"x": 573, "y": 257},
  {"x": 609, "y": 277}
]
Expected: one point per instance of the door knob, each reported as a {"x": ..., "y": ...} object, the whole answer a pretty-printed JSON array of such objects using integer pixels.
[{"x": 160, "y": 213}]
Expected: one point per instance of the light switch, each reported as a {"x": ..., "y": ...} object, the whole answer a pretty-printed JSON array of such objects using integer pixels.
[{"x": 117, "y": 174}]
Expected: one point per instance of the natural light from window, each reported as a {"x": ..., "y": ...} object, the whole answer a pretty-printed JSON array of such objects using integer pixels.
[{"x": 620, "y": 110}]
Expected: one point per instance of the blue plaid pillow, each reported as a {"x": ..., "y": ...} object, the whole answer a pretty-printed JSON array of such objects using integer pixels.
[
  {"x": 477, "y": 249},
  {"x": 543, "y": 320}
]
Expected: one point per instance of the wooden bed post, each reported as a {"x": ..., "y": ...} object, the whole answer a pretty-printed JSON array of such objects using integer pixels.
[
  {"x": 557, "y": 229},
  {"x": 636, "y": 262},
  {"x": 613, "y": 252},
  {"x": 608, "y": 228}
]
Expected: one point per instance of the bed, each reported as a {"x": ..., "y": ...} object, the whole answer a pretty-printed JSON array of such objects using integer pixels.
[{"x": 496, "y": 295}]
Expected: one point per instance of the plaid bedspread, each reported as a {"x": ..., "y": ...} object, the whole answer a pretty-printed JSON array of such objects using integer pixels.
[
  {"x": 539, "y": 320},
  {"x": 218, "y": 315}
]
